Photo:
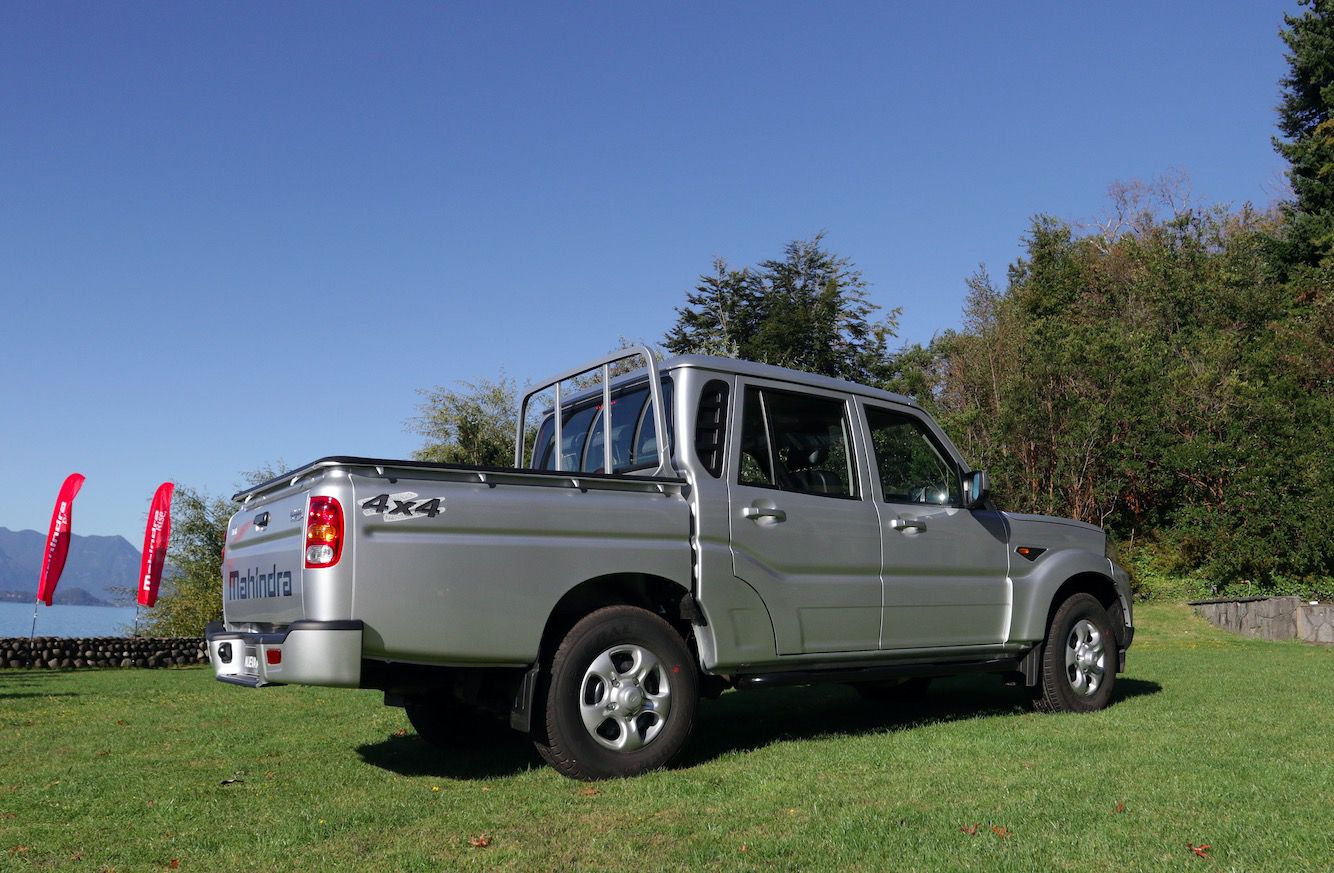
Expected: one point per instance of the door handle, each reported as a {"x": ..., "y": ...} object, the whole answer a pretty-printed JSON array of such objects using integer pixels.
[
  {"x": 905, "y": 523},
  {"x": 764, "y": 512}
]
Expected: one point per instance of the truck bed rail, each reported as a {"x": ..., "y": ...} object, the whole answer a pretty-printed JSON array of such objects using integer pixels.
[{"x": 472, "y": 473}]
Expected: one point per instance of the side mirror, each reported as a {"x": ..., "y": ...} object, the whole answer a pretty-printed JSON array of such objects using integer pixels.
[{"x": 976, "y": 488}]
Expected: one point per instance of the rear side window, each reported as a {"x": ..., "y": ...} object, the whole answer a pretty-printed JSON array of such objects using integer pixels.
[
  {"x": 911, "y": 466},
  {"x": 711, "y": 426},
  {"x": 796, "y": 442}
]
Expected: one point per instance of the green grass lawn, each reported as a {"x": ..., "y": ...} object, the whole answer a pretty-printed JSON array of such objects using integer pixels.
[{"x": 1213, "y": 739}]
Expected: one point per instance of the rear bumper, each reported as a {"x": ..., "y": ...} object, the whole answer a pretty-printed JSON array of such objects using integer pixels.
[{"x": 303, "y": 653}]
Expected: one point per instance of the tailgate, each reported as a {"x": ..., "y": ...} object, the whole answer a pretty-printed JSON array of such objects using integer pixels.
[{"x": 262, "y": 565}]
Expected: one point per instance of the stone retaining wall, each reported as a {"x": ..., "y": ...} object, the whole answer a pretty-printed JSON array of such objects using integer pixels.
[
  {"x": 1315, "y": 624},
  {"x": 1271, "y": 618},
  {"x": 65, "y": 652}
]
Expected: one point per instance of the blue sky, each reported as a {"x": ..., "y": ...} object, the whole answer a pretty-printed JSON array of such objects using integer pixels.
[{"x": 233, "y": 233}]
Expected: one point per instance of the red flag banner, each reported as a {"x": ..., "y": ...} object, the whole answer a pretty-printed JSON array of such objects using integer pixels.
[
  {"x": 156, "y": 536},
  {"x": 57, "y": 538}
]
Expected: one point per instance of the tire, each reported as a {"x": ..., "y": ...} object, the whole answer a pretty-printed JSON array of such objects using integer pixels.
[
  {"x": 447, "y": 723},
  {"x": 620, "y": 698},
  {"x": 1078, "y": 659},
  {"x": 904, "y": 691}
]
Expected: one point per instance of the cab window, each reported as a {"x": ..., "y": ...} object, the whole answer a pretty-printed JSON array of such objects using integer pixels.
[
  {"x": 796, "y": 442},
  {"x": 912, "y": 468}
]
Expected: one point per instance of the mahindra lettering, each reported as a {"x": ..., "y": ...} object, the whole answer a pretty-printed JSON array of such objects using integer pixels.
[{"x": 695, "y": 525}]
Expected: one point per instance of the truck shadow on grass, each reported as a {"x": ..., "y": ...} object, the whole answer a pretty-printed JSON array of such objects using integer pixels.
[
  {"x": 745, "y": 721},
  {"x": 741, "y": 722},
  {"x": 504, "y": 754}
]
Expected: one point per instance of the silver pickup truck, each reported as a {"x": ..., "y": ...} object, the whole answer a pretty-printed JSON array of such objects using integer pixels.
[{"x": 790, "y": 529}]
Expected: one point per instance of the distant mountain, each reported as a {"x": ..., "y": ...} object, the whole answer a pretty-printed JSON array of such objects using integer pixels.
[{"x": 95, "y": 567}]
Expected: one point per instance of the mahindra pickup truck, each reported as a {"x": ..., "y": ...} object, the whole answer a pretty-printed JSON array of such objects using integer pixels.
[{"x": 694, "y": 525}]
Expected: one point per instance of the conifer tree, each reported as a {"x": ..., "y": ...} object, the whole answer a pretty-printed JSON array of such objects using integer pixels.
[{"x": 1306, "y": 119}]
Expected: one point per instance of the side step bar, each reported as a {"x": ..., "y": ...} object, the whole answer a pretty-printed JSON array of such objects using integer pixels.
[{"x": 881, "y": 673}]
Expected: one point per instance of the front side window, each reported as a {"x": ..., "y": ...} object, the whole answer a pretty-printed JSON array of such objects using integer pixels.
[
  {"x": 912, "y": 468},
  {"x": 796, "y": 442}
]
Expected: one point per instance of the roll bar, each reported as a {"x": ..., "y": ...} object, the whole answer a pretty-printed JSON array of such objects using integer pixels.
[{"x": 665, "y": 465}]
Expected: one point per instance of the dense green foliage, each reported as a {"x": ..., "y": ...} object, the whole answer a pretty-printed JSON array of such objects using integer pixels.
[
  {"x": 1160, "y": 379},
  {"x": 1306, "y": 120},
  {"x": 470, "y": 424},
  {"x": 1214, "y": 739},
  {"x": 1168, "y": 376},
  {"x": 808, "y": 311}
]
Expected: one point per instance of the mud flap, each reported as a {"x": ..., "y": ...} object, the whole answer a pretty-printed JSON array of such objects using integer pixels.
[
  {"x": 1031, "y": 666},
  {"x": 521, "y": 713}
]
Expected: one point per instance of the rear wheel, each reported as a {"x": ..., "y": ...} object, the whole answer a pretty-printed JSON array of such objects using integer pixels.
[
  {"x": 1078, "y": 658},
  {"x": 621, "y": 696}
]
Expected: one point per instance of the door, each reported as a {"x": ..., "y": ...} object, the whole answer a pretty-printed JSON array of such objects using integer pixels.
[
  {"x": 803, "y": 533},
  {"x": 944, "y": 566}
]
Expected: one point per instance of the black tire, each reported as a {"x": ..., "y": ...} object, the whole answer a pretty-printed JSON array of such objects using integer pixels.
[
  {"x": 902, "y": 691},
  {"x": 447, "y": 723},
  {"x": 651, "y": 716},
  {"x": 1064, "y": 686}
]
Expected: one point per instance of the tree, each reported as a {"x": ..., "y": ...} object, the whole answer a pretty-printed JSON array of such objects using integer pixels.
[
  {"x": 191, "y": 594},
  {"x": 1306, "y": 119},
  {"x": 1158, "y": 377},
  {"x": 808, "y": 310},
  {"x": 470, "y": 424}
]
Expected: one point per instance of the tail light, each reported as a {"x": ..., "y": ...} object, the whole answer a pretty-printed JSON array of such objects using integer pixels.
[{"x": 324, "y": 532}]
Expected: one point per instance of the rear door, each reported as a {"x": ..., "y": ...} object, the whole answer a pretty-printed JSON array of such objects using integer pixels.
[
  {"x": 945, "y": 566},
  {"x": 804, "y": 534}
]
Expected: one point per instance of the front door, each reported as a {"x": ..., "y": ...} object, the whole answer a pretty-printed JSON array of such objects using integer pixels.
[
  {"x": 805, "y": 534},
  {"x": 945, "y": 566}
]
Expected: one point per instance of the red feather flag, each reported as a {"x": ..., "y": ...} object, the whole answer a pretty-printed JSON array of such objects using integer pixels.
[
  {"x": 57, "y": 539},
  {"x": 156, "y": 536}
]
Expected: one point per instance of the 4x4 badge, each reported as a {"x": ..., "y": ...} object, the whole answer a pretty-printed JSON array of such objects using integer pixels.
[{"x": 401, "y": 506}]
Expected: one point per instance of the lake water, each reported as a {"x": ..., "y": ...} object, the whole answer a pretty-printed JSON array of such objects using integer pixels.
[{"x": 66, "y": 621}]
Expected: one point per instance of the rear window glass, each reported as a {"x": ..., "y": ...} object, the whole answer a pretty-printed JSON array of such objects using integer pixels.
[{"x": 634, "y": 443}]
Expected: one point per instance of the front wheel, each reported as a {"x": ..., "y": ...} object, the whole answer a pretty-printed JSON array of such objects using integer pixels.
[
  {"x": 1078, "y": 659},
  {"x": 621, "y": 696}
]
